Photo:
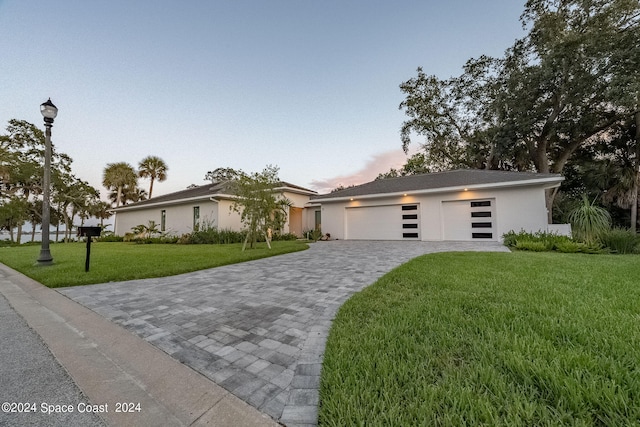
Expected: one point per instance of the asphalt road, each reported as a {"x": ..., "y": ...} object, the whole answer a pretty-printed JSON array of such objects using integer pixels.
[{"x": 32, "y": 382}]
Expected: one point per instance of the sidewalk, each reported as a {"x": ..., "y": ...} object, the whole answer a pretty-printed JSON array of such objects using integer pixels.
[{"x": 131, "y": 382}]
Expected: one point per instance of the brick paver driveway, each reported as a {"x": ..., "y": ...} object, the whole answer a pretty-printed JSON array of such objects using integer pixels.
[{"x": 259, "y": 328}]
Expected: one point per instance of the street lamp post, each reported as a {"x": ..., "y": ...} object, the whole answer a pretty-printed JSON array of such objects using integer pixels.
[{"x": 49, "y": 112}]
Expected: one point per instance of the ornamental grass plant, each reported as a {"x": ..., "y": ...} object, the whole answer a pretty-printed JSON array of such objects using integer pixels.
[{"x": 589, "y": 221}]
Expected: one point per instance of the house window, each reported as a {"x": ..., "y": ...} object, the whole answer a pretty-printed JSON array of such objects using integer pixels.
[
  {"x": 163, "y": 220},
  {"x": 318, "y": 218},
  {"x": 196, "y": 217}
]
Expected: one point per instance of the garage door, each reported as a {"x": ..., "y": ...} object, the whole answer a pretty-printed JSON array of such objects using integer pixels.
[
  {"x": 469, "y": 220},
  {"x": 396, "y": 222}
]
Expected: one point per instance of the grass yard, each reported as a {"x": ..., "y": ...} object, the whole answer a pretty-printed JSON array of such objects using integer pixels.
[
  {"x": 511, "y": 339},
  {"x": 111, "y": 261}
]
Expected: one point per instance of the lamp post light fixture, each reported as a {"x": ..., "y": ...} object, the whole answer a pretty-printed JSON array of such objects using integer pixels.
[{"x": 49, "y": 112}]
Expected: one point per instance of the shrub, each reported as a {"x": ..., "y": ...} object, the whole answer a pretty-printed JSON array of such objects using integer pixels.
[
  {"x": 212, "y": 235},
  {"x": 110, "y": 238},
  {"x": 285, "y": 236},
  {"x": 621, "y": 241},
  {"x": 531, "y": 245},
  {"x": 313, "y": 235},
  {"x": 162, "y": 240},
  {"x": 570, "y": 247},
  {"x": 147, "y": 231},
  {"x": 523, "y": 240},
  {"x": 589, "y": 222},
  {"x": 510, "y": 239}
]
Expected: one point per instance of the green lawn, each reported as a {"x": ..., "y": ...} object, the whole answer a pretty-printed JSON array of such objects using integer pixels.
[
  {"x": 127, "y": 261},
  {"x": 511, "y": 339}
]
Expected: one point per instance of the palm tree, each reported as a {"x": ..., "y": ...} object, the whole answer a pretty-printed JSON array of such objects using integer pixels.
[
  {"x": 100, "y": 210},
  {"x": 116, "y": 176},
  {"x": 152, "y": 167},
  {"x": 129, "y": 194}
]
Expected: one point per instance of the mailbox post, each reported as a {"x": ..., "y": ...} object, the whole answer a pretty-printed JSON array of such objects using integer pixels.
[{"x": 88, "y": 232}]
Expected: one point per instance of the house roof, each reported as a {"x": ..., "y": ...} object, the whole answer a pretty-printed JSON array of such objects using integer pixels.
[
  {"x": 443, "y": 181},
  {"x": 202, "y": 192}
]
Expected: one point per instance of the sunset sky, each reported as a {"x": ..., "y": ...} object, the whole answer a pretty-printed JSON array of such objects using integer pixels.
[{"x": 309, "y": 86}]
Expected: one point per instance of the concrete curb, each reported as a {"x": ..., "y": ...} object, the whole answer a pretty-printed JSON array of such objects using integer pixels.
[{"x": 112, "y": 366}]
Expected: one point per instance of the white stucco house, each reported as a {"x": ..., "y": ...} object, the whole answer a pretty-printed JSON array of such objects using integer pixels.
[
  {"x": 464, "y": 204},
  {"x": 180, "y": 212}
]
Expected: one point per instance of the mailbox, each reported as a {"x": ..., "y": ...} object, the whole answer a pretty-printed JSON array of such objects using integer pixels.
[{"x": 89, "y": 231}]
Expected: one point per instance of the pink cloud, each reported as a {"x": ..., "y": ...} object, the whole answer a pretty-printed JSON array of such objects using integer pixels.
[{"x": 377, "y": 164}]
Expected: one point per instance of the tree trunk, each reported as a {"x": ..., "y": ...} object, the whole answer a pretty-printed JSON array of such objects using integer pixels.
[
  {"x": 244, "y": 245},
  {"x": 67, "y": 231},
  {"x": 19, "y": 236}
]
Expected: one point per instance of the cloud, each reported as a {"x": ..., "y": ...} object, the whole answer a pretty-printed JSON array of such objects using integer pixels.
[{"x": 377, "y": 164}]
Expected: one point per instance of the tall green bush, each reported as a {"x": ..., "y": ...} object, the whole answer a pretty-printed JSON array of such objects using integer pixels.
[
  {"x": 621, "y": 241},
  {"x": 541, "y": 241},
  {"x": 213, "y": 235}
]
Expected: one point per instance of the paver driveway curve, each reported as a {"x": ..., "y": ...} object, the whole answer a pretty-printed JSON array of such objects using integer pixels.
[{"x": 258, "y": 328}]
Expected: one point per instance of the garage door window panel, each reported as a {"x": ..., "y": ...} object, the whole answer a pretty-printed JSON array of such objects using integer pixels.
[
  {"x": 481, "y": 225},
  {"x": 482, "y": 214},
  {"x": 482, "y": 235}
]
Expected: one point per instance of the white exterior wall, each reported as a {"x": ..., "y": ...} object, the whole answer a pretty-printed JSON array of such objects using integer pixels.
[
  {"x": 515, "y": 208},
  {"x": 179, "y": 218},
  {"x": 125, "y": 221},
  {"x": 522, "y": 210},
  {"x": 228, "y": 219},
  {"x": 297, "y": 200}
]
